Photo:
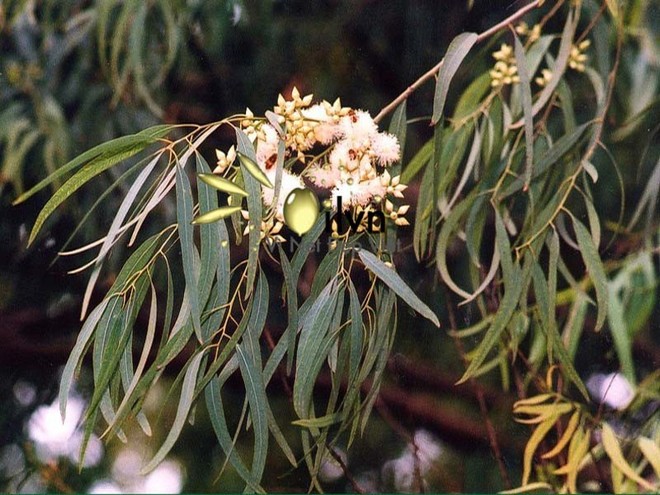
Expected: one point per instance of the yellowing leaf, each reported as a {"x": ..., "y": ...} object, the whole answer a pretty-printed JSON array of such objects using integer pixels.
[
  {"x": 532, "y": 444},
  {"x": 613, "y": 450},
  {"x": 536, "y": 399},
  {"x": 545, "y": 410},
  {"x": 576, "y": 451},
  {"x": 531, "y": 487},
  {"x": 565, "y": 438},
  {"x": 651, "y": 451}
]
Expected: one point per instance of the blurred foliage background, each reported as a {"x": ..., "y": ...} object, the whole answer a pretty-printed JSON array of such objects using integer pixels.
[{"x": 77, "y": 73}]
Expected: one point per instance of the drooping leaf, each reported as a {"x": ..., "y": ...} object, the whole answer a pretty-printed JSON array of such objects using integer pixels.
[
  {"x": 74, "y": 361},
  {"x": 185, "y": 403},
  {"x": 457, "y": 51},
  {"x": 184, "y": 216},
  {"x": 417, "y": 162},
  {"x": 613, "y": 449},
  {"x": 565, "y": 438},
  {"x": 503, "y": 316},
  {"x": 256, "y": 396},
  {"x": 248, "y": 160},
  {"x": 392, "y": 279},
  {"x": 595, "y": 268},
  {"x": 651, "y": 451},
  {"x": 313, "y": 346},
  {"x": 105, "y": 150},
  {"x": 528, "y": 117},
  {"x": 216, "y": 411},
  {"x": 532, "y": 444}
]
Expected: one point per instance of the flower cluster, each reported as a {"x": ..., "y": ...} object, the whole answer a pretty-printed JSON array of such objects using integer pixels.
[
  {"x": 533, "y": 33},
  {"x": 505, "y": 71},
  {"x": 339, "y": 150},
  {"x": 544, "y": 78},
  {"x": 577, "y": 57}
]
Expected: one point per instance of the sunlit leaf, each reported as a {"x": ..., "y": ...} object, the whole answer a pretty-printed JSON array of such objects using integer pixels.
[
  {"x": 613, "y": 449},
  {"x": 651, "y": 451}
]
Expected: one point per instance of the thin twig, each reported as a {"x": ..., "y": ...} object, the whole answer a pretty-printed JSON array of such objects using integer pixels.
[
  {"x": 478, "y": 391},
  {"x": 349, "y": 476},
  {"x": 435, "y": 69}
]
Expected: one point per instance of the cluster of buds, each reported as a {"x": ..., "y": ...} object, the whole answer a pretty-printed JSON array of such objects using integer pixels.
[
  {"x": 505, "y": 71},
  {"x": 396, "y": 213},
  {"x": 544, "y": 78},
  {"x": 270, "y": 229},
  {"x": 225, "y": 160},
  {"x": 577, "y": 57},
  {"x": 532, "y": 34}
]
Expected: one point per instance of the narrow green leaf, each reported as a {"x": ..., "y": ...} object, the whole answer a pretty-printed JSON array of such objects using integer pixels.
[
  {"x": 559, "y": 67},
  {"x": 322, "y": 422},
  {"x": 423, "y": 217},
  {"x": 247, "y": 156},
  {"x": 184, "y": 213},
  {"x": 392, "y": 279},
  {"x": 255, "y": 390},
  {"x": 216, "y": 411},
  {"x": 398, "y": 127},
  {"x": 457, "y": 51},
  {"x": 291, "y": 306},
  {"x": 134, "y": 379},
  {"x": 185, "y": 402},
  {"x": 562, "y": 146},
  {"x": 72, "y": 367},
  {"x": 448, "y": 227},
  {"x": 117, "y": 222},
  {"x": 618, "y": 326},
  {"x": 91, "y": 170},
  {"x": 355, "y": 354},
  {"x": 595, "y": 269},
  {"x": 106, "y": 150},
  {"x": 313, "y": 346},
  {"x": 470, "y": 100},
  {"x": 535, "y": 53},
  {"x": 528, "y": 118},
  {"x": 549, "y": 324},
  {"x": 306, "y": 246},
  {"x": 417, "y": 162},
  {"x": 502, "y": 317},
  {"x": 211, "y": 237}
]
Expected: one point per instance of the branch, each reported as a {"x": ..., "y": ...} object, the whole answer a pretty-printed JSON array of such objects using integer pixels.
[{"x": 435, "y": 69}]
